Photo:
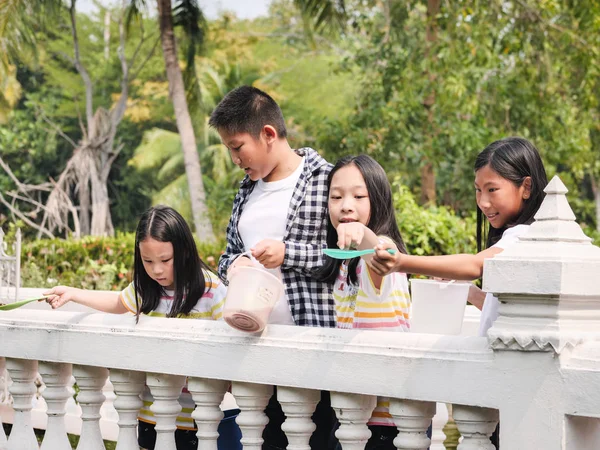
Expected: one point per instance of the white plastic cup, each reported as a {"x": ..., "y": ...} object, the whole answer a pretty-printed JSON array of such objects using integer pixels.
[
  {"x": 438, "y": 307},
  {"x": 251, "y": 296}
]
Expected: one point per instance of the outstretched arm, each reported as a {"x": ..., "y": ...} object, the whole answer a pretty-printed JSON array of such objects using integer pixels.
[
  {"x": 109, "y": 302},
  {"x": 455, "y": 267}
]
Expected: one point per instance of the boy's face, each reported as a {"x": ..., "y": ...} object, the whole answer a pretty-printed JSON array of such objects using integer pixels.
[{"x": 250, "y": 154}]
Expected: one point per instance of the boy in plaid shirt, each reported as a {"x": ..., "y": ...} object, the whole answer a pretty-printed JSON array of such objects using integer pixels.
[
  {"x": 280, "y": 217},
  {"x": 280, "y": 211}
]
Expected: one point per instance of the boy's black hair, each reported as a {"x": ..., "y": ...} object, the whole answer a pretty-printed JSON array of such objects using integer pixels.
[
  {"x": 514, "y": 159},
  {"x": 381, "y": 222},
  {"x": 164, "y": 224},
  {"x": 247, "y": 109}
]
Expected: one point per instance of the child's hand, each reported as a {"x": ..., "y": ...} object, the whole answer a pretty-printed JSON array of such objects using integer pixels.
[
  {"x": 350, "y": 235},
  {"x": 242, "y": 261},
  {"x": 383, "y": 263},
  {"x": 59, "y": 295},
  {"x": 269, "y": 253}
]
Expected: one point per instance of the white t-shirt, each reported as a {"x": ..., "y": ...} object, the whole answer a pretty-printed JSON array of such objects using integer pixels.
[
  {"x": 489, "y": 313},
  {"x": 265, "y": 216}
]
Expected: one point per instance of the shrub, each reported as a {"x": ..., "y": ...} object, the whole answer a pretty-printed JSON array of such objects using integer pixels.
[
  {"x": 103, "y": 263},
  {"x": 435, "y": 230}
]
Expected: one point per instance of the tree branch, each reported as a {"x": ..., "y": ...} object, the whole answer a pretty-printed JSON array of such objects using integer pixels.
[
  {"x": 89, "y": 107},
  {"x": 21, "y": 216},
  {"x": 150, "y": 55},
  {"x": 46, "y": 119},
  {"x": 119, "y": 110}
]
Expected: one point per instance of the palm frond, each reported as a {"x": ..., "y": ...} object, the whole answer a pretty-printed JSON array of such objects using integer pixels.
[
  {"x": 157, "y": 147},
  {"x": 320, "y": 14}
]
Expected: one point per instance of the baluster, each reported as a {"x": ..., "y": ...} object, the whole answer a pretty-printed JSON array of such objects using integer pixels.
[
  {"x": 353, "y": 411},
  {"x": 476, "y": 425},
  {"x": 166, "y": 390},
  {"x": 252, "y": 400},
  {"x": 208, "y": 395},
  {"x": 23, "y": 373},
  {"x": 90, "y": 380},
  {"x": 56, "y": 377},
  {"x": 412, "y": 417},
  {"x": 298, "y": 406},
  {"x": 128, "y": 386},
  {"x": 3, "y": 399}
]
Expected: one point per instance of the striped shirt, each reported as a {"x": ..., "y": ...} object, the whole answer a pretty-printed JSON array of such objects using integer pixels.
[
  {"x": 366, "y": 307},
  {"x": 210, "y": 306}
]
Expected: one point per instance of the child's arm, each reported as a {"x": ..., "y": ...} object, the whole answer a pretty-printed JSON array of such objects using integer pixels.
[
  {"x": 454, "y": 267},
  {"x": 109, "y": 302},
  {"x": 357, "y": 235}
]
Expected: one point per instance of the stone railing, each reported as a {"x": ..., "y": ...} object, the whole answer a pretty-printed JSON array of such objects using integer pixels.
[
  {"x": 10, "y": 267},
  {"x": 538, "y": 371}
]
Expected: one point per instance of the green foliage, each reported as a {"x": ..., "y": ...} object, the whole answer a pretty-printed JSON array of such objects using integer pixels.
[
  {"x": 435, "y": 230},
  {"x": 102, "y": 263}
]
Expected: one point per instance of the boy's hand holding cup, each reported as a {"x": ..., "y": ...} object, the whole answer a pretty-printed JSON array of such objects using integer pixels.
[{"x": 269, "y": 252}]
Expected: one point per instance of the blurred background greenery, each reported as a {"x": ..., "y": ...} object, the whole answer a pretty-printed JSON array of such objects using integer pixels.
[{"x": 422, "y": 86}]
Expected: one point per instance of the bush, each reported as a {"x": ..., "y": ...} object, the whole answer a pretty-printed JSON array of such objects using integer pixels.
[
  {"x": 435, "y": 230},
  {"x": 103, "y": 263}
]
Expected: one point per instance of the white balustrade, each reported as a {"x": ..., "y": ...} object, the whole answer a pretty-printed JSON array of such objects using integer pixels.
[
  {"x": 353, "y": 412},
  {"x": 547, "y": 339},
  {"x": 412, "y": 418},
  {"x": 208, "y": 395},
  {"x": 57, "y": 378},
  {"x": 252, "y": 400},
  {"x": 3, "y": 399},
  {"x": 90, "y": 381},
  {"x": 166, "y": 390},
  {"x": 298, "y": 406},
  {"x": 23, "y": 373},
  {"x": 128, "y": 386}
]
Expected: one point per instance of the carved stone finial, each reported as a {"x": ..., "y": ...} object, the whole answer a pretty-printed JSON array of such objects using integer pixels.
[{"x": 546, "y": 282}]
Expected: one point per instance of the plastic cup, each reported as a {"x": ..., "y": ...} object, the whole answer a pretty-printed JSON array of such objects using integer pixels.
[
  {"x": 438, "y": 307},
  {"x": 251, "y": 296}
]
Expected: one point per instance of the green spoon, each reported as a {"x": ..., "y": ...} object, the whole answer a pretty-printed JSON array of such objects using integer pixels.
[
  {"x": 19, "y": 304},
  {"x": 348, "y": 254}
]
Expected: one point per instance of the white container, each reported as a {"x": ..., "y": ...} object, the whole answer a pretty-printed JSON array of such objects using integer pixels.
[
  {"x": 438, "y": 307},
  {"x": 251, "y": 296}
]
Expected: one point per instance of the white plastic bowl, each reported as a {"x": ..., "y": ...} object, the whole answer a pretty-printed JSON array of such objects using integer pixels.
[
  {"x": 251, "y": 296},
  {"x": 438, "y": 307}
]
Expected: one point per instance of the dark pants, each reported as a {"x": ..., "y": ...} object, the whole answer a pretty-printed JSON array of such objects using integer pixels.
[
  {"x": 229, "y": 435},
  {"x": 495, "y": 438},
  {"x": 323, "y": 417},
  {"x": 382, "y": 438}
]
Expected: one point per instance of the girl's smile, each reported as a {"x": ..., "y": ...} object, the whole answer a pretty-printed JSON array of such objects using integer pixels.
[{"x": 500, "y": 200}]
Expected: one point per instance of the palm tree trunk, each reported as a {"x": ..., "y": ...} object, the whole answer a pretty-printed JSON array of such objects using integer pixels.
[{"x": 184, "y": 124}]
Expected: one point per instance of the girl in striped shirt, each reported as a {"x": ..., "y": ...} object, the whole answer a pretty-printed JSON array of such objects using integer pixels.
[
  {"x": 361, "y": 215},
  {"x": 169, "y": 280}
]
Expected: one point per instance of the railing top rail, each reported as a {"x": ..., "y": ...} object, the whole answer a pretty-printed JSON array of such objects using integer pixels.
[{"x": 405, "y": 365}]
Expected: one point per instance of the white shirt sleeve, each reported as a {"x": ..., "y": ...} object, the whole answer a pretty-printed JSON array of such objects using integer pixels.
[{"x": 489, "y": 313}]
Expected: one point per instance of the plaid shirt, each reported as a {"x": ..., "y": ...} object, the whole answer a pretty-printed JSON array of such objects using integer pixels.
[{"x": 311, "y": 301}]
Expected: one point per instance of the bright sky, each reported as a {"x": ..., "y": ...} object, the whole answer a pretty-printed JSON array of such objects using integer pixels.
[{"x": 244, "y": 9}]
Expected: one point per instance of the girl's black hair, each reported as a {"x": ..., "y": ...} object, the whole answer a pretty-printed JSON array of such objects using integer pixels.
[
  {"x": 514, "y": 159},
  {"x": 381, "y": 222},
  {"x": 164, "y": 224}
]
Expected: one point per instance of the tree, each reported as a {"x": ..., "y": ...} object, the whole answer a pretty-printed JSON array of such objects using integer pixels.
[
  {"x": 188, "y": 14},
  {"x": 88, "y": 169}
]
